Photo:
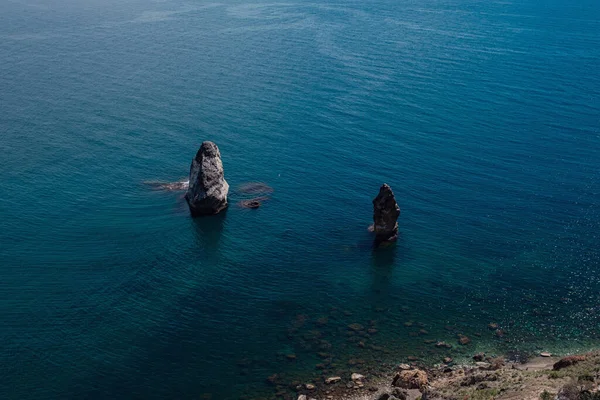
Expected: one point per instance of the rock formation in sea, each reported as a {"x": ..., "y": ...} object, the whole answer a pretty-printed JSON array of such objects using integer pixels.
[
  {"x": 385, "y": 215},
  {"x": 208, "y": 189},
  {"x": 254, "y": 202}
]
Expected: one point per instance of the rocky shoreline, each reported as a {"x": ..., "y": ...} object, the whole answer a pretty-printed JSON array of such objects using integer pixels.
[{"x": 544, "y": 377}]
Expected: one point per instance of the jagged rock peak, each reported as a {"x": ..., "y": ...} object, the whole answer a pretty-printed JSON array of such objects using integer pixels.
[
  {"x": 208, "y": 189},
  {"x": 385, "y": 215}
]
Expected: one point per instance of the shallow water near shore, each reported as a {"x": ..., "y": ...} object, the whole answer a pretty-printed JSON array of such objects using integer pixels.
[{"x": 482, "y": 116}]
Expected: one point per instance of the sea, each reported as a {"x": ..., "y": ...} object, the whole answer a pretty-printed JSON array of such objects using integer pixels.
[{"x": 483, "y": 117}]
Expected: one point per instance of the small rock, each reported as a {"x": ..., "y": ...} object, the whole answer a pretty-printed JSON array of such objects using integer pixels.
[
  {"x": 356, "y": 327},
  {"x": 291, "y": 357},
  {"x": 357, "y": 377},
  {"x": 463, "y": 340},
  {"x": 333, "y": 379},
  {"x": 404, "y": 366},
  {"x": 448, "y": 360},
  {"x": 302, "y": 397},
  {"x": 443, "y": 345},
  {"x": 492, "y": 326},
  {"x": 545, "y": 354},
  {"x": 398, "y": 394},
  {"x": 479, "y": 356},
  {"x": 273, "y": 379},
  {"x": 483, "y": 365},
  {"x": 310, "y": 386},
  {"x": 254, "y": 203},
  {"x": 496, "y": 363}
]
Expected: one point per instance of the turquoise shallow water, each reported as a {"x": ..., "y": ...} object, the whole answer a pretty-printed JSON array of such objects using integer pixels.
[{"x": 482, "y": 116}]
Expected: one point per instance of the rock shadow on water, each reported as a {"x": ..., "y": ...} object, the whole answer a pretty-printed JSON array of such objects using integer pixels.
[
  {"x": 382, "y": 266},
  {"x": 208, "y": 233}
]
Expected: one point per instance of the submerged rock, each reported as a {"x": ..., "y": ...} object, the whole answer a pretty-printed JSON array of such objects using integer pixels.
[
  {"x": 385, "y": 215},
  {"x": 255, "y": 188},
  {"x": 253, "y": 203},
  {"x": 464, "y": 340},
  {"x": 249, "y": 203},
  {"x": 208, "y": 189},
  {"x": 168, "y": 186}
]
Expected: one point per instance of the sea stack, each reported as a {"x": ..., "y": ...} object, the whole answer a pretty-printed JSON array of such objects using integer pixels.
[
  {"x": 207, "y": 192},
  {"x": 385, "y": 215}
]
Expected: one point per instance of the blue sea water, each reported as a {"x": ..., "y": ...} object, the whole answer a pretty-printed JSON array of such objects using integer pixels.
[{"x": 483, "y": 116}]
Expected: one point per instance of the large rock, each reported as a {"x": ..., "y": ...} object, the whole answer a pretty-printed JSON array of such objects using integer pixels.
[
  {"x": 207, "y": 192},
  {"x": 567, "y": 362},
  {"x": 385, "y": 215},
  {"x": 411, "y": 379}
]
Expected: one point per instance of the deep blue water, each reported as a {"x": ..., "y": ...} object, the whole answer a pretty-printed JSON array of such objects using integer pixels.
[{"x": 483, "y": 116}]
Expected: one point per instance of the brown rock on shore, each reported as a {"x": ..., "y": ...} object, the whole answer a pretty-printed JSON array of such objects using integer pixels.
[
  {"x": 411, "y": 379},
  {"x": 567, "y": 362}
]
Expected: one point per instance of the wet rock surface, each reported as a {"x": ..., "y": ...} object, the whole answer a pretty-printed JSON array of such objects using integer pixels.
[{"x": 252, "y": 203}]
